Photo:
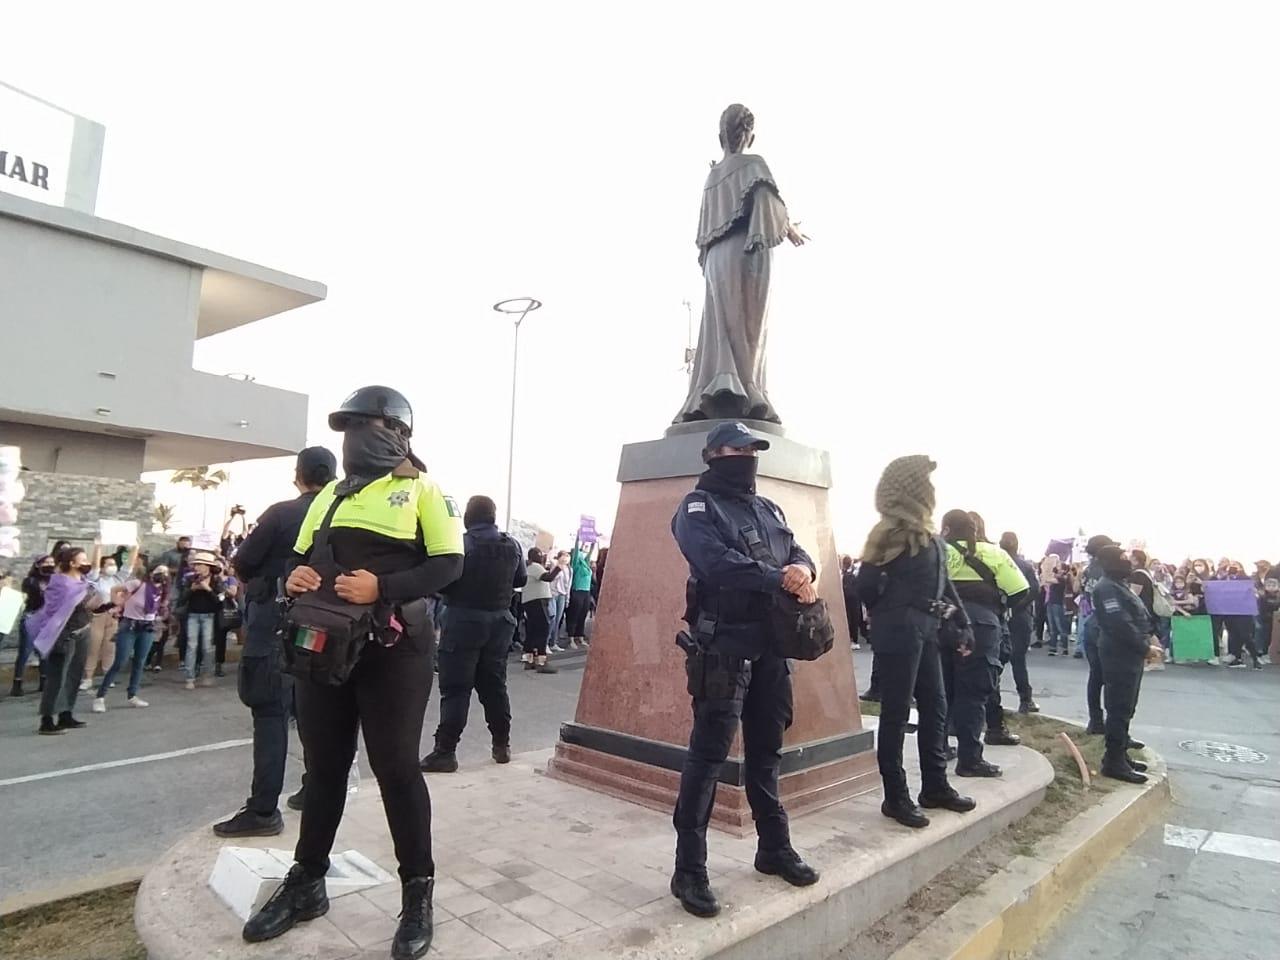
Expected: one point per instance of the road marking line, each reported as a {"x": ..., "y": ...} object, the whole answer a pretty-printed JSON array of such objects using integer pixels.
[
  {"x": 130, "y": 761},
  {"x": 1231, "y": 844}
]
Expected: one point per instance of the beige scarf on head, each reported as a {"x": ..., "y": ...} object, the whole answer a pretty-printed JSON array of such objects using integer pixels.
[{"x": 905, "y": 499}]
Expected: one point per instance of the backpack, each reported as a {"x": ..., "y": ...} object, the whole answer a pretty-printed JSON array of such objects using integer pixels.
[{"x": 1161, "y": 602}]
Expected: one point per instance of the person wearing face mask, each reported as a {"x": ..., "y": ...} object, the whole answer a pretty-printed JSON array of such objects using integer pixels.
[
  {"x": 904, "y": 584},
  {"x": 742, "y": 557},
  {"x": 263, "y": 686},
  {"x": 1125, "y": 641},
  {"x": 1241, "y": 629},
  {"x": 1021, "y": 626},
  {"x": 107, "y": 580},
  {"x": 374, "y": 546},
  {"x": 141, "y": 605},
  {"x": 61, "y": 637},
  {"x": 33, "y": 587},
  {"x": 990, "y": 584}
]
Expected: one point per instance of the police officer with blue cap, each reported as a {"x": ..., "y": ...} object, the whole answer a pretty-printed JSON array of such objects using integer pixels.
[{"x": 742, "y": 557}]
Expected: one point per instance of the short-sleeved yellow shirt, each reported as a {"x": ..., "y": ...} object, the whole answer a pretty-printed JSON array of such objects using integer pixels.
[{"x": 394, "y": 507}]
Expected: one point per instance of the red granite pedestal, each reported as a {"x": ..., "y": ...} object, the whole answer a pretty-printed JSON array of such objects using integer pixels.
[{"x": 629, "y": 736}]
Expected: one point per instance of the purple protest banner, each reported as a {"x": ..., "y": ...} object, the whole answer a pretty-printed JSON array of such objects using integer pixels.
[
  {"x": 587, "y": 530},
  {"x": 1231, "y": 598},
  {"x": 1062, "y": 548}
]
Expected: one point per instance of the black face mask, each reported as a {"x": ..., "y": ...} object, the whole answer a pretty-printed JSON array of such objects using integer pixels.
[
  {"x": 44, "y": 572},
  {"x": 370, "y": 451},
  {"x": 85, "y": 569},
  {"x": 158, "y": 578},
  {"x": 1120, "y": 569},
  {"x": 736, "y": 473}
]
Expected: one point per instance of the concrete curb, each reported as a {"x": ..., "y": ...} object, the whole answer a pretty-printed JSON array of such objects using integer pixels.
[
  {"x": 1010, "y": 912},
  {"x": 72, "y": 888}
]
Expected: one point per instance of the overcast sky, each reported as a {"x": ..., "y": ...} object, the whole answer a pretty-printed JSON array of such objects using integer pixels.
[{"x": 1045, "y": 242}]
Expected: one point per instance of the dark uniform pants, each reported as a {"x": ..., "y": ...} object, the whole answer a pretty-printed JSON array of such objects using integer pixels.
[
  {"x": 1090, "y": 637},
  {"x": 268, "y": 693},
  {"x": 473, "y": 655},
  {"x": 914, "y": 668},
  {"x": 1020, "y": 630},
  {"x": 1122, "y": 679},
  {"x": 976, "y": 676},
  {"x": 386, "y": 695},
  {"x": 757, "y": 693}
]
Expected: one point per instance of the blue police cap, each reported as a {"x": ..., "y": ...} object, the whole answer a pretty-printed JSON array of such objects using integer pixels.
[{"x": 734, "y": 435}]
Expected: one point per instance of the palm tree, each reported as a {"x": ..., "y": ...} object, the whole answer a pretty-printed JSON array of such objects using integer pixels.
[
  {"x": 164, "y": 515},
  {"x": 204, "y": 480}
]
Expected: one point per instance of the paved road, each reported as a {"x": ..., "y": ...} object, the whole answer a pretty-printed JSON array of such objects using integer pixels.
[
  {"x": 1156, "y": 901},
  {"x": 61, "y": 828},
  {"x": 1161, "y": 901}
]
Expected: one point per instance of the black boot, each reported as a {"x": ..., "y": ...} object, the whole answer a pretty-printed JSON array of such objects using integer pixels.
[
  {"x": 248, "y": 823},
  {"x": 871, "y": 696},
  {"x": 1095, "y": 728},
  {"x": 1135, "y": 745},
  {"x": 1002, "y": 737},
  {"x": 501, "y": 753},
  {"x": 48, "y": 728},
  {"x": 1116, "y": 766},
  {"x": 694, "y": 893},
  {"x": 1137, "y": 765},
  {"x": 437, "y": 761},
  {"x": 1028, "y": 706},
  {"x": 905, "y": 812},
  {"x": 299, "y": 898},
  {"x": 413, "y": 936},
  {"x": 67, "y": 722},
  {"x": 296, "y": 800},
  {"x": 788, "y": 865},
  {"x": 16, "y": 689},
  {"x": 979, "y": 769},
  {"x": 947, "y": 799}
]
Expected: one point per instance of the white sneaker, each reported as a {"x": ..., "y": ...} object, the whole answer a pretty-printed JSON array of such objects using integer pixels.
[
  {"x": 1238, "y": 665},
  {"x": 84, "y": 685},
  {"x": 1214, "y": 662},
  {"x": 99, "y": 705},
  {"x": 190, "y": 684},
  {"x": 138, "y": 702},
  {"x": 857, "y": 646},
  {"x": 1265, "y": 659}
]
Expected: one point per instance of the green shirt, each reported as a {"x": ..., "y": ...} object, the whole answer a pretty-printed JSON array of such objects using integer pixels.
[{"x": 581, "y": 570}]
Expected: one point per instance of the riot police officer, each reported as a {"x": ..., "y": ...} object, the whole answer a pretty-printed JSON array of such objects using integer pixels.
[
  {"x": 264, "y": 689},
  {"x": 478, "y": 628},
  {"x": 904, "y": 585},
  {"x": 1022, "y": 624},
  {"x": 741, "y": 557},
  {"x": 1124, "y": 642},
  {"x": 382, "y": 540},
  {"x": 988, "y": 583}
]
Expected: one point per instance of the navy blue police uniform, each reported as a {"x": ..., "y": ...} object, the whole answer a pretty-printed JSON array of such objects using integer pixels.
[
  {"x": 736, "y": 543},
  {"x": 1124, "y": 636}
]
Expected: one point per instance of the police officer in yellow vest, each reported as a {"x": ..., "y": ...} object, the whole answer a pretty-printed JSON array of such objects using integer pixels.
[
  {"x": 988, "y": 582},
  {"x": 395, "y": 540}
]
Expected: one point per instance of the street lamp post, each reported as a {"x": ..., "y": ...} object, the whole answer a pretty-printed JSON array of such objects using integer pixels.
[{"x": 518, "y": 308}]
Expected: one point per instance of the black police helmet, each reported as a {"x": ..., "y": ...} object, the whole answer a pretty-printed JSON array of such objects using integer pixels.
[{"x": 374, "y": 401}]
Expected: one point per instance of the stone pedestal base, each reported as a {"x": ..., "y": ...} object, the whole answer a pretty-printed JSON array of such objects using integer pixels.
[{"x": 629, "y": 736}]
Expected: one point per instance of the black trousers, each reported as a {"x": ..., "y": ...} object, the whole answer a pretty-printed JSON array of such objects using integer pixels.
[
  {"x": 576, "y": 618},
  {"x": 1093, "y": 688},
  {"x": 1020, "y": 630},
  {"x": 1218, "y": 623},
  {"x": 473, "y": 656},
  {"x": 386, "y": 695},
  {"x": 1122, "y": 673},
  {"x": 760, "y": 697},
  {"x": 63, "y": 673},
  {"x": 975, "y": 677},
  {"x": 1041, "y": 616},
  {"x": 914, "y": 668},
  {"x": 268, "y": 693},
  {"x": 537, "y": 628},
  {"x": 1240, "y": 636}
]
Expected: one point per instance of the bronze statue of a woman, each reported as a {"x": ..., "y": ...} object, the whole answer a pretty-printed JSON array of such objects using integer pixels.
[{"x": 743, "y": 219}]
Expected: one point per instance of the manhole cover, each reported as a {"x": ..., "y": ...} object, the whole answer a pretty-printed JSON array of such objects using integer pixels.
[{"x": 1223, "y": 752}]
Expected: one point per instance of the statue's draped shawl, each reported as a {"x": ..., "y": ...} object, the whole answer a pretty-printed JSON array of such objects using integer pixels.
[{"x": 740, "y": 188}]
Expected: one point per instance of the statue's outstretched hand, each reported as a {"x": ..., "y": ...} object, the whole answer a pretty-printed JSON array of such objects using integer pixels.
[{"x": 795, "y": 236}]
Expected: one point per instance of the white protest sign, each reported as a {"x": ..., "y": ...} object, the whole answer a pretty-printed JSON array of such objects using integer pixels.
[{"x": 121, "y": 533}]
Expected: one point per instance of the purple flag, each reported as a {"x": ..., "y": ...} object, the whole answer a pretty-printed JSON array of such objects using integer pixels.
[
  {"x": 1060, "y": 547},
  {"x": 1231, "y": 598}
]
